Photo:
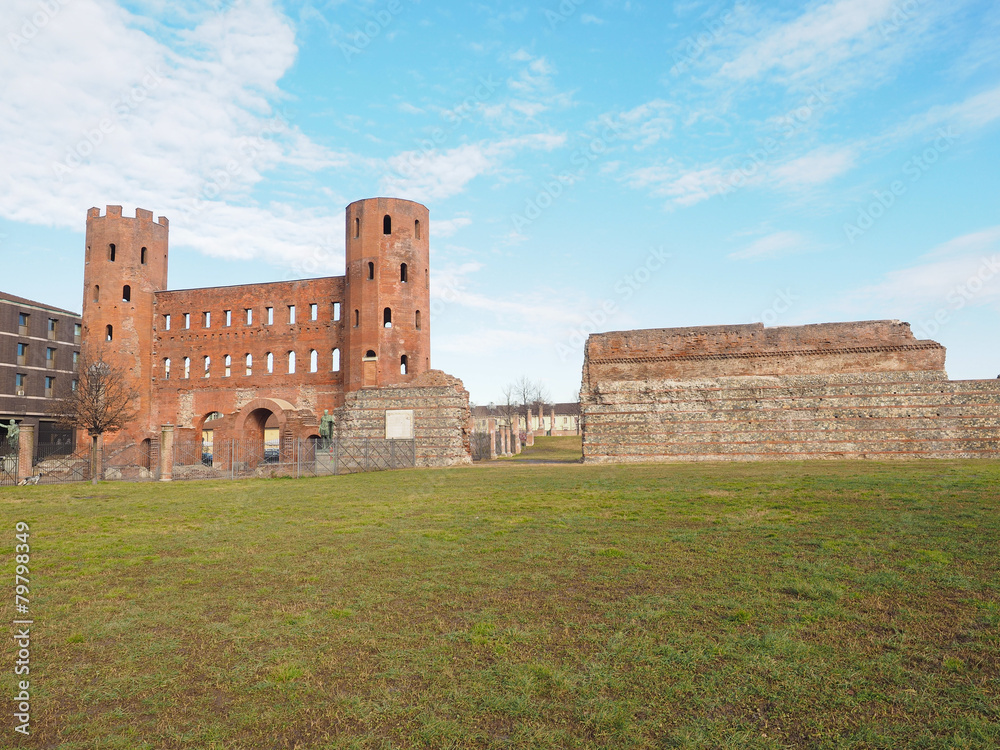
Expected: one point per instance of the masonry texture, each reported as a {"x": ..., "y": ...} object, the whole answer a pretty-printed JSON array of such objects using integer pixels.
[
  {"x": 745, "y": 392},
  {"x": 270, "y": 357}
]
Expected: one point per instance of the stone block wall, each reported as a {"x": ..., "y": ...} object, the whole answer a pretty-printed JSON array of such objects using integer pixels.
[
  {"x": 441, "y": 417},
  {"x": 809, "y": 402}
]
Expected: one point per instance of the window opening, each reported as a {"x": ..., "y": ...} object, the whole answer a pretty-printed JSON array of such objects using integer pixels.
[{"x": 387, "y": 225}]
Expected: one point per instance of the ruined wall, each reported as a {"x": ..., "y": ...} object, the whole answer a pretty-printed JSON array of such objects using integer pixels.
[
  {"x": 855, "y": 390},
  {"x": 441, "y": 414}
]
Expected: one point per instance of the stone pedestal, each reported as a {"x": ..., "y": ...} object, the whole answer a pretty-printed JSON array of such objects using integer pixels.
[{"x": 167, "y": 453}]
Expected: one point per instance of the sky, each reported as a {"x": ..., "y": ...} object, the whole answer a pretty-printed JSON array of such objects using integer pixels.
[{"x": 589, "y": 165}]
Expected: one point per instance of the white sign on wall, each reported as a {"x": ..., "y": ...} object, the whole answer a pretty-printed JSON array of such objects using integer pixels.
[{"x": 399, "y": 424}]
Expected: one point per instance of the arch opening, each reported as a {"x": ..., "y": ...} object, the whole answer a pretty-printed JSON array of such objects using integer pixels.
[{"x": 387, "y": 224}]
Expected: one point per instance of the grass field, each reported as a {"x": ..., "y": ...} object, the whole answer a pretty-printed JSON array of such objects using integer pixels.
[
  {"x": 512, "y": 606},
  {"x": 559, "y": 449}
]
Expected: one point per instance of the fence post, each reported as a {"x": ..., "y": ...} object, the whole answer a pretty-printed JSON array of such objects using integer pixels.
[
  {"x": 26, "y": 452},
  {"x": 167, "y": 453}
]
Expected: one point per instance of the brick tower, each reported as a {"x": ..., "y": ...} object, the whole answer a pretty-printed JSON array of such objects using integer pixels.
[
  {"x": 126, "y": 264},
  {"x": 387, "y": 293}
]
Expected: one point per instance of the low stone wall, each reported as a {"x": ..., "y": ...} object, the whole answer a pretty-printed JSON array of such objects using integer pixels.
[
  {"x": 879, "y": 415},
  {"x": 441, "y": 417}
]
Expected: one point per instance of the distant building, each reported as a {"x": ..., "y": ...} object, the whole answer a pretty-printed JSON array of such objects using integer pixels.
[
  {"x": 39, "y": 348},
  {"x": 567, "y": 419}
]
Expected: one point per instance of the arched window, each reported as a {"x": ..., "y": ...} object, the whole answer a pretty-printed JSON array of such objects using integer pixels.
[
  {"x": 370, "y": 354},
  {"x": 402, "y": 272},
  {"x": 387, "y": 317},
  {"x": 97, "y": 293},
  {"x": 291, "y": 363},
  {"x": 371, "y": 271},
  {"x": 313, "y": 360},
  {"x": 386, "y": 225},
  {"x": 142, "y": 256},
  {"x": 249, "y": 364},
  {"x": 416, "y": 320},
  {"x": 270, "y": 362},
  {"x": 416, "y": 229},
  {"x": 336, "y": 361},
  {"x": 111, "y": 253},
  {"x": 357, "y": 318},
  {"x": 403, "y": 365},
  {"x": 208, "y": 367},
  {"x": 166, "y": 369},
  {"x": 126, "y": 293},
  {"x": 109, "y": 333},
  {"x": 357, "y": 228},
  {"x": 229, "y": 366},
  {"x": 187, "y": 367}
]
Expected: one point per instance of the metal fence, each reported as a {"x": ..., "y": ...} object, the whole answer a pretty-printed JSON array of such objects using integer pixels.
[{"x": 8, "y": 466}]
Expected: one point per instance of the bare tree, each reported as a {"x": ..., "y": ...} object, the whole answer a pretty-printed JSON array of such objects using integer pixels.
[
  {"x": 104, "y": 400},
  {"x": 521, "y": 395}
]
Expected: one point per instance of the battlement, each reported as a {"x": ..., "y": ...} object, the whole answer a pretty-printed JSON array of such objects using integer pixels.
[{"x": 141, "y": 214}]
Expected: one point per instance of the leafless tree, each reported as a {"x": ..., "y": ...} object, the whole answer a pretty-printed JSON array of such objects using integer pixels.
[
  {"x": 104, "y": 400},
  {"x": 521, "y": 395}
]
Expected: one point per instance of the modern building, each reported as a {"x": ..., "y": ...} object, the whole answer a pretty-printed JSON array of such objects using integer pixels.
[{"x": 39, "y": 348}]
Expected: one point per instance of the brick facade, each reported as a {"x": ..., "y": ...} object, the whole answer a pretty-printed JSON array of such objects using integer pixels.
[
  {"x": 838, "y": 390},
  {"x": 260, "y": 356}
]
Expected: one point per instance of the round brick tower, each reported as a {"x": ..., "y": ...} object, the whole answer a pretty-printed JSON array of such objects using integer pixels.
[
  {"x": 125, "y": 265},
  {"x": 388, "y": 293}
]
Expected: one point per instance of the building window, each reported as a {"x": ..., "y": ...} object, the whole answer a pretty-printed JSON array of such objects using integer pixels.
[
  {"x": 77, "y": 332},
  {"x": 371, "y": 271},
  {"x": 109, "y": 333},
  {"x": 313, "y": 360},
  {"x": 20, "y": 383},
  {"x": 126, "y": 293},
  {"x": 357, "y": 228},
  {"x": 229, "y": 318},
  {"x": 229, "y": 366},
  {"x": 22, "y": 354},
  {"x": 50, "y": 384},
  {"x": 249, "y": 364},
  {"x": 207, "y": 318},
  {"x": 249, "y": 315},
  {"x": 166, "y": 369},
  {"x": 76, "y": 359},
  {"x": 97, "y": 292},
  {"x": 403, "y": 365},
  {"x": 416, "y": 320},
  {"x": 335, "y": 367},
  {"x": 386, "y": 225},
  {"x": 387, "y": 317},
  {"x": 22, "y": 323},
  {"x": 291, "y": 315},
  {"x": 370, "y": 354},
  {"x": 111, "y": 253},
  {"x": 291, "y": 363},
  {"x": 269, "y": 316},
  {"x": 270, "y": 362},
  {"x": 357, "y": 318},
  {"x": 50, "y": 357},
  {"x": 208, "y": 367},
  {"x": 74, "y": 384},
  {"x": 402, "y": 272},
  {"x": 336, "y": 311},
  {"x": 187, "y": 368},
  {"x": 187, "y": 320},
  {"x": 416, "y": 229},
  {"x": 52, "y": 329},
  {"x": 166, "y": 322},
  {"x": 142, "y": 256},
  {"x": 313, "y": 311}
]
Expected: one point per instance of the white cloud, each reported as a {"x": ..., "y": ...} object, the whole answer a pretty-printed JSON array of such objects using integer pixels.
[
  {"x": 815, "y": 168},
  {"x": 448, "y": 227},
  {"x": 772, "y": 246},
  {"x": 102, "y": 107}
]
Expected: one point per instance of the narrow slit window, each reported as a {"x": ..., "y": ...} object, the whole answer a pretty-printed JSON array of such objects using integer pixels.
[
  {"x": 357, "y": 228},
  {"x": 371, "y": 271},
  {"x": 335, "y": 367},
  {"x": 249, "y": 314},
  {"x": 313, "y": 311},
  {"x": 142, "y": 256},
  {"x": 126, "y": 293},
  {"x": 249, "y": 364},
  {"x": 187, "y": 368},
  {"x": 109, "y": 333},
  {"x": 187, "y": 320},
  {"x": 387, "y": 224},
  {"x": 291, "y": 315},
  {"x": 228, "y": 362},
  {"x": 336, "y": 311},
  {"x": 229, "y": 318},
  {"x": 387, "y": 317},
  {"x": 270, "y": 362},
  {"x": 402, "y": 272},
  {"x": 166, "y": 369},
  {"x": 111, "y": 253},
  {"x": 416, "y": 320},
  {"x": 207, "y": 319},
  {"x": 416, "y": 229},
  {"x": 403, "y": 365},
  {"x": 166, "y": 322},
  {"x": 291, "y": 363},
  {"x": 313, "y": 360},
  {"x": 208, "y": 367},
  {"x": 357, "y": 318},
  {"x": 270, "y": 316},
  {"x": 97, "y": 292}
]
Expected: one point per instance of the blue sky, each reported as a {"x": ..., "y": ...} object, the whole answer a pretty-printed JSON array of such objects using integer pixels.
[{"x": 588, "y": 165}]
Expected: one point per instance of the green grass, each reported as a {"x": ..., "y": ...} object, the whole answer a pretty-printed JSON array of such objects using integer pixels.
[
  {"x": 829, "y": 605},
  {"x": 561, "y": 449}
]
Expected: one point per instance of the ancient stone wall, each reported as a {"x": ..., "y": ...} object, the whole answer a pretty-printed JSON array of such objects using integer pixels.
[
  {"x": 441, "y": 416},
  {"x": 859, "y": 390}
]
